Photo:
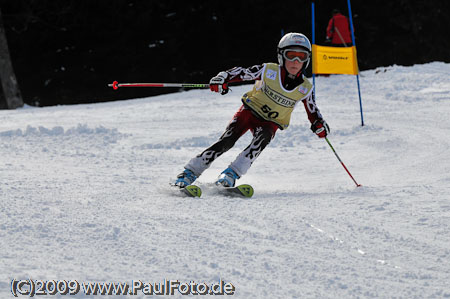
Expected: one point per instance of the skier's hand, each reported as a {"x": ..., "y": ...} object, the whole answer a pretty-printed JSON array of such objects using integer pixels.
[
  {"x": 218, "y": 83},
  {"x": 320, "y": 128}
]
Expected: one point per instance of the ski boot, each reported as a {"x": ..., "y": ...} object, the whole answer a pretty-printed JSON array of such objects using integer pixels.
[
  {"x": 184, "y": 179},
  {"x": 227, "y": 178}
]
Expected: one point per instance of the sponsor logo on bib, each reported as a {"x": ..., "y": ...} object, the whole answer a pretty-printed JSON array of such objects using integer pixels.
[
  {"x": 278, "y": 98},
  {"x": 271, "y": 74}
]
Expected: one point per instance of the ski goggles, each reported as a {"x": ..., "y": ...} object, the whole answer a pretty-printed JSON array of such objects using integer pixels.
[{"x": 300, "y": 55}]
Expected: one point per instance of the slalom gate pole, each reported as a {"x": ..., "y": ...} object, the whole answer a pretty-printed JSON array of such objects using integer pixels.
[
  {"x": 354, "y": 45},
  {"x": 314, "y": 42},
  {"x": 357, "y": 185},
  {"x": 115, "y": 85}
]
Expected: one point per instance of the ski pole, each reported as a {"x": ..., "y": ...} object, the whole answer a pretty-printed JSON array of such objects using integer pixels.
[
  {"x": 115, "y": 85},
  {"x": 357, "y": 185}
]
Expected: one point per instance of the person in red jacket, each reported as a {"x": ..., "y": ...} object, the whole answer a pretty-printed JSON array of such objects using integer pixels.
[{"x": 338, "y": 30}]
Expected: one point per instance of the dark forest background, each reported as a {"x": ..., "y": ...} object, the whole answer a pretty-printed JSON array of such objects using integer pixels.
[{"x": 67, "y": 51}]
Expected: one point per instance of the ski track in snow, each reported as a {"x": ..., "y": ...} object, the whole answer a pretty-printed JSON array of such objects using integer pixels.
[{"x": 85, "y": 193}]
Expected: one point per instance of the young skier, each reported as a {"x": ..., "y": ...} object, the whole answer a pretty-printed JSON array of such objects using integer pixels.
[{"x": 266, "y": 108}]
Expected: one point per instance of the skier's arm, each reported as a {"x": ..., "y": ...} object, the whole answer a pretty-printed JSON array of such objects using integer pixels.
[
  {"x": 318, "y": 125},
  {"x": 239, "y": 74},
  {"x": 330, "y": 28},
  {"x": 311, "y": 108},
  {"x": 219, "y": 83}
]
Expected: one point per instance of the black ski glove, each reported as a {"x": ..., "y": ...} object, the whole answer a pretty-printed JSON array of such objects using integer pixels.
[{"x": 320, "y": 128}]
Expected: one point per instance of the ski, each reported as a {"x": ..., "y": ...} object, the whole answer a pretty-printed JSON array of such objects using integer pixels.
[
  {"x": 191, "y": 190},
  {"x": 243, "y": 190}
]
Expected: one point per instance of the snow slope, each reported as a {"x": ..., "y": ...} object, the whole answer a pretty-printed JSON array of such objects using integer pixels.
[{"x": 84, "y": 193}]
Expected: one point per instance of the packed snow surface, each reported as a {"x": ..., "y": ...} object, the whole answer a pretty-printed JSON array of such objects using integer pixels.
[{"x": 85, "y": 195}]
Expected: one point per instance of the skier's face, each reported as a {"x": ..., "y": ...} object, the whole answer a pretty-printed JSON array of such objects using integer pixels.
[{"x": 293, "y": 67}]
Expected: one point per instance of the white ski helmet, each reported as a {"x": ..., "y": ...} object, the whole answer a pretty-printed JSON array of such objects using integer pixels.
[{"x": 292, "y": 40}]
